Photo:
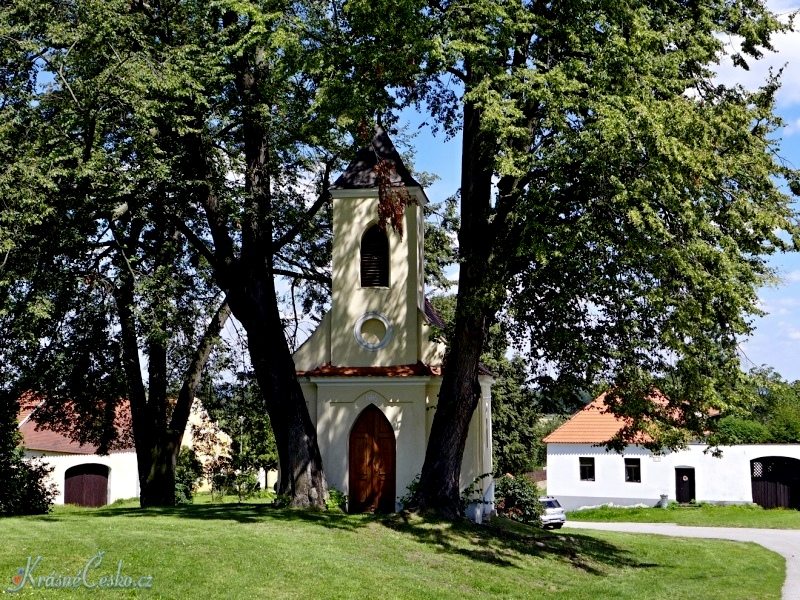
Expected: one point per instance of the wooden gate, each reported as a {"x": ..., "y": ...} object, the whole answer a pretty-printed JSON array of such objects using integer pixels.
[
  {"x": 372, "y": 463},
  {"x": 776, "y": 482},
  {"x": 86, "y": 485}
]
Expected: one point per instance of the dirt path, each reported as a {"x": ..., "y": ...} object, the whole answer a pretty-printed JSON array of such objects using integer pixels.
[{"x": 785, "y": 542}]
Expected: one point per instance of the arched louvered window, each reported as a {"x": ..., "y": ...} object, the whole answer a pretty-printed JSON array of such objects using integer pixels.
[{"x": 374, "y": 258}]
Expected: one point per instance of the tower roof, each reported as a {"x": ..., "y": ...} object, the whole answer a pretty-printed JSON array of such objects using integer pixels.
[{"x": 360, "y": 173}]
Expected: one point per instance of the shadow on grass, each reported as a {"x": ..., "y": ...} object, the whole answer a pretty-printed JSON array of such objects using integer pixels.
[
  {"x": 502, "y": 542},
  {"x": 247, "y": 513}
]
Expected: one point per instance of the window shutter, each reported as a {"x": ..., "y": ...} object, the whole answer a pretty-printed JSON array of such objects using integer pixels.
[{"x": 374, "y": 258}]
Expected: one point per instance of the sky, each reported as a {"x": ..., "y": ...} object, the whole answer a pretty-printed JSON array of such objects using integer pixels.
[{"x": 776, "y": 339}]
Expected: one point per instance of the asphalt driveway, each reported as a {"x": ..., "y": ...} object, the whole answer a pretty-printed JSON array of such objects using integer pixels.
[{"x": 785, "y": 542}]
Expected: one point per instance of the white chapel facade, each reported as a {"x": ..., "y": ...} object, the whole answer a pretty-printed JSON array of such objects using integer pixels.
[{"x": 370, "y": 372}]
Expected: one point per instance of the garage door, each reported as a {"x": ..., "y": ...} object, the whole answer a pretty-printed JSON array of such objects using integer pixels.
[{"x": 86, "y": 485}]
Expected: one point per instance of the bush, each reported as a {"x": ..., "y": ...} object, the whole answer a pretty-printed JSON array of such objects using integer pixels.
[
  {"x": 517, "y": 498},
  {"x": 227, "y": 480},
  {"x": 188, "y": 471},
  {"x": 25, "y": 489},
  {"x": 735, "y": 430},
  {"x": 784, "y": 422},
  {"x": 336, "y": 500}
]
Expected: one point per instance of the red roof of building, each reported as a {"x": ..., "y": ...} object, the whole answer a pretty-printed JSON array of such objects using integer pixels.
[
  {"x": 38, "y": 437},
  {"x": 593, "y": 424},
  {"x": 596, "y": 424},
  {"x": 418, "y": 369}
]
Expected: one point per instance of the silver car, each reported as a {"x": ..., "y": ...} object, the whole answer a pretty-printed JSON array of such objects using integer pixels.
[{"x": 553, "y": 515}]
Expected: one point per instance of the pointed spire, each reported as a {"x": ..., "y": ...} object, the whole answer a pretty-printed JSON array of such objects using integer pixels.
[{"x": 360, "y": 173}]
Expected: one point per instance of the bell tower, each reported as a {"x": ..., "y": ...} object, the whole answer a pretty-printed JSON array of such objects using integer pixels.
[{"x": 378, "y": 279}]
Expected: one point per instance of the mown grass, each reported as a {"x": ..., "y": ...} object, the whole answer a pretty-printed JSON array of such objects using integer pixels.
[
  {"x": 253, "y": 550},
  {"x": 705, "y": 515}
]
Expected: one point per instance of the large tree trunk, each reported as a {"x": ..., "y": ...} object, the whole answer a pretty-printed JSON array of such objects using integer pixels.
[
  {"x": 250, "y": 284},
  {"x": 157, "y": 441},
  {"x": 302, "y": 476},
  {"x": 439, "y": 489},
  {"x": 157, "y": 484}
]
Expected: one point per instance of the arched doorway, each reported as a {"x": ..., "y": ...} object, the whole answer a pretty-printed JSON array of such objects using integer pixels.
[
  {"x": 372, "y": 463},
  {"x": 86, "y": 485},
  {"x": 776, "y": 481}
]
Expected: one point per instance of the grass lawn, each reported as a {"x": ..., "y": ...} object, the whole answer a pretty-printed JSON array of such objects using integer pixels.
[
  {"x": 257, "y": 551},
  {"x": 706, "y": 515}
]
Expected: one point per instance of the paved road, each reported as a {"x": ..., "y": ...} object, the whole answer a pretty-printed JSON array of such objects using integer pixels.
[{"x": 785, "y": 542}]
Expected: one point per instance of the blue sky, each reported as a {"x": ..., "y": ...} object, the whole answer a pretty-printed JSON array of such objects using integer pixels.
[{"x": 776, "y": 341}]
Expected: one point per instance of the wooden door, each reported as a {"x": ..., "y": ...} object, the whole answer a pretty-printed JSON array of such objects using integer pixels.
[
  {"x": 86, "y": 485},
  {"x": 372, "y": 463},
  {"x": 684, "y": 485}
]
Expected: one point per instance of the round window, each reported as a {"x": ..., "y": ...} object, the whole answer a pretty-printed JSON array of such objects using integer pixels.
[{"x": 372, "y": 331}]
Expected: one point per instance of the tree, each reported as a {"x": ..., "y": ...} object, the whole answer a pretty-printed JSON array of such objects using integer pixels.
[
  {"x": 771, "y": 413},
  {"x": 515, "y": 406},
  {"x": 616, "y": 203},
  {"x": 203, "y": 133},
  {"x": 515, "y": 414},
  {"x": 25, "y": 489}
]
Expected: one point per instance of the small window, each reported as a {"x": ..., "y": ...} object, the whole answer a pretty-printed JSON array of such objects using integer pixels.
[
  {"x": 633, "y": 470},
  {"x": 374, "y": 258},
  {"x": 586, "y": 468}
]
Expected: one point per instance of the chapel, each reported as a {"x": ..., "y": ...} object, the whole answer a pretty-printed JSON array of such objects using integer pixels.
[{"x": 371, "y": 371}]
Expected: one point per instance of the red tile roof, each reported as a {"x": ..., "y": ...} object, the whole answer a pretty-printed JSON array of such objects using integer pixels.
[
  {"x": 596, "y": 424},
  {"x": 418, "y": 369},
  {"x": 593, "y": 424},
  {"x": 47, "y": 440}
]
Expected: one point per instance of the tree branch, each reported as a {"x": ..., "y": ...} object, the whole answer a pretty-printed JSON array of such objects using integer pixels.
[
  {"x": 318, "y": 277},
  {"x": 191, "y": 380},
  {"x": 324, "y": 196},
  {"x": 196, "y": 242}
]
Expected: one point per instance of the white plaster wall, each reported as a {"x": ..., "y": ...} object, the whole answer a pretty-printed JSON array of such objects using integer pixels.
[
  {"x": 354, "y": 211},
  {"x": 726, "y": 479},
  {"x": 316, "y": 350},
  {"x": 340, "y": 402},
  {"x": 123, "y": 475}
]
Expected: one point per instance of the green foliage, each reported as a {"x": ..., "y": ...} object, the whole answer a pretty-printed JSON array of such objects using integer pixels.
[
  {"x": 544, "y": 427},
  {"x": 441, "y": 225},
  {"x": 226, "y": 480},
  {"x": 515, "y": 414},
  {"x": 25, "y": 489},
  {"x": 411, "y": 490},
  {"x": 473, "y": 493},
  {"x": 784, "y": 421},
  {"x": 337, "y": 500},
  {"x": 188, "y": 472},
  {"x": 736, "y": 430},
  {"x": 517, "y": 498},
  {"x": 238, "y": 410},
  {"x": 771, "y": 414}
]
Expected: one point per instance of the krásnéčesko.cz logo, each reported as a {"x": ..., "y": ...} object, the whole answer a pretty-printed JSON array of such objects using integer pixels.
[{"x": 89, "y": 575}]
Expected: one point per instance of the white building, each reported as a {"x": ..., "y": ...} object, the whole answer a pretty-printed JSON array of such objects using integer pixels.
[
  {"x": 81, "y": 476},
  {"x": 370, "y": 372},
  {"x": 581, "y": 472}
]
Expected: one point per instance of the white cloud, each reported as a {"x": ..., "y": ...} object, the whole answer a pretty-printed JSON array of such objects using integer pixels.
[
  {"x": 792, "y": 276},
  {"x": 791, "y": 128}
]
